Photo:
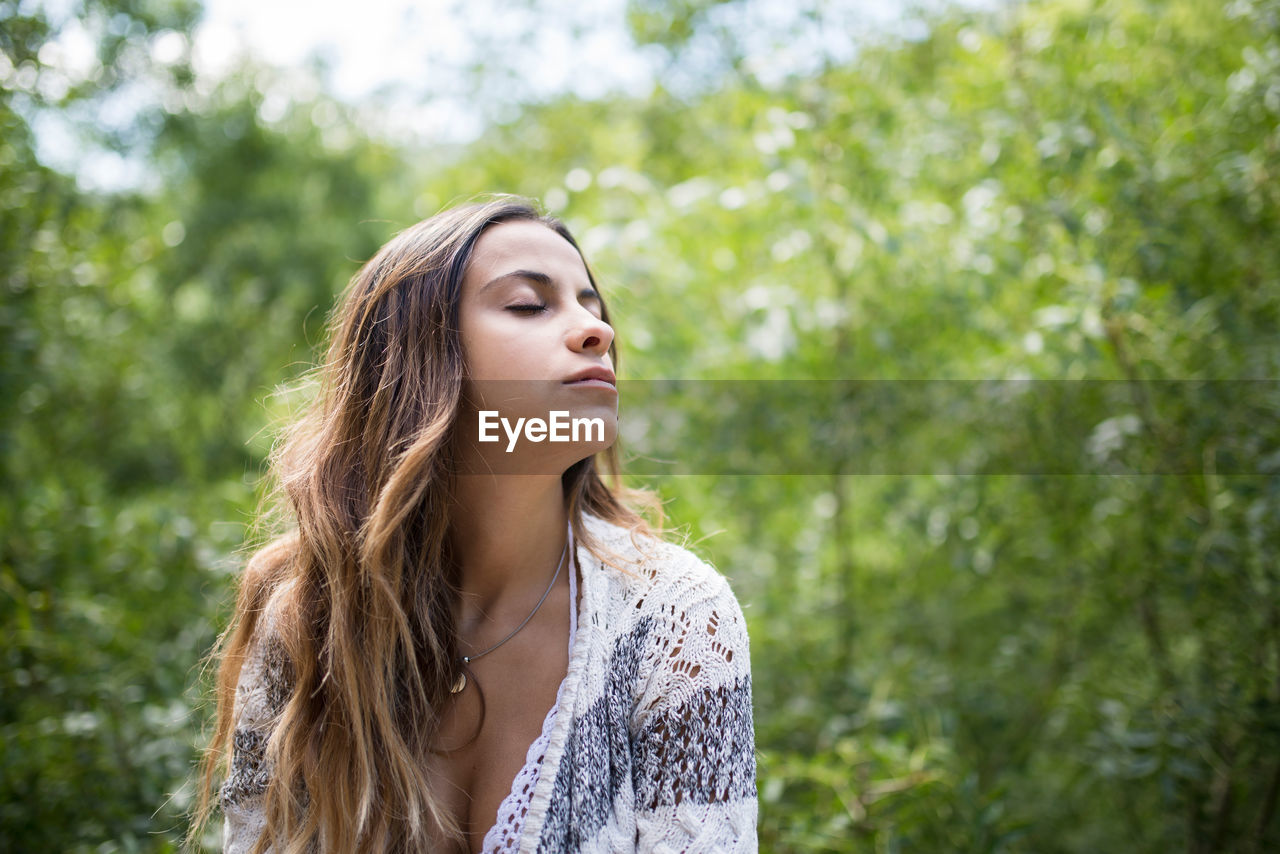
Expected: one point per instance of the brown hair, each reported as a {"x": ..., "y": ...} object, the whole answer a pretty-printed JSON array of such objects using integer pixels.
[{"x": 361, "y": 591}]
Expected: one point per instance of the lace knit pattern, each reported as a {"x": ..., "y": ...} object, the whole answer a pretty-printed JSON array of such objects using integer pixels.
[{"x": 651, "y": 745}]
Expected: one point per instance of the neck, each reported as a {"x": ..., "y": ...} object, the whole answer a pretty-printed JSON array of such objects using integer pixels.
[{"x": 507, "y": 532}]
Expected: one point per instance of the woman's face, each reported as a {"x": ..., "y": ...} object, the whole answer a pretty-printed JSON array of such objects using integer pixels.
[{"x": 535, "y": 345}]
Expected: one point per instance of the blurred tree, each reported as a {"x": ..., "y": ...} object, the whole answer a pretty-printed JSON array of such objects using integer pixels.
[
  {"x": 141, "y": 329},
  {"x": 1027, "y": 605}
]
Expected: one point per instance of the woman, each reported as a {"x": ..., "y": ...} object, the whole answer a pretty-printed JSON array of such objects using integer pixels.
[{"x": 468, "y": 644}]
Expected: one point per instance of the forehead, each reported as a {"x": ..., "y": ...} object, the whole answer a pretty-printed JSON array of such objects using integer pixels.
[{"x": 524, "y": 245}]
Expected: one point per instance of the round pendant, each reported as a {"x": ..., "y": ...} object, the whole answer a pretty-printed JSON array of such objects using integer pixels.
[{"x": 459, "y": 684}]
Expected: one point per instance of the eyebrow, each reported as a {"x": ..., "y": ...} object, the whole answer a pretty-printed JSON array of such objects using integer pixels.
[{"x": 542, "y": 280}]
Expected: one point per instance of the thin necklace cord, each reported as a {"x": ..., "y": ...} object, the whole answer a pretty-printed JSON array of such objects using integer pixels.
[{"x": 461, "y": 681}]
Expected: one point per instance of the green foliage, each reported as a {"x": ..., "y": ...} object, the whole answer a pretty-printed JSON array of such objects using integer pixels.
[
  {"x": 1036, "y": 613},
  {"x": 141, "y": 333}
]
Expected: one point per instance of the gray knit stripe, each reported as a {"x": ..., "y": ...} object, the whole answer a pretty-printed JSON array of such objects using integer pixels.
[
  {"x": 587, "y": 782},
  {"x": 249, "y": 771},
  {"x": 249, "y": 774},
  {"x": 701, "y": 752}
]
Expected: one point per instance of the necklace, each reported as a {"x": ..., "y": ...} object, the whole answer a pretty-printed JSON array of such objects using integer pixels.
[{"x": 461, "y": 681}]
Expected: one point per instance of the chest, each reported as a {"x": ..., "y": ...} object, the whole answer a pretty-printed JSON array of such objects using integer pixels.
[{"x": 487, "y": 729}]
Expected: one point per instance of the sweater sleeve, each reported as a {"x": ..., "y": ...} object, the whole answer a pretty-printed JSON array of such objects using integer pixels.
[
  {"x": 694, "y": 739},
  {"x": 260, "y": 695}
]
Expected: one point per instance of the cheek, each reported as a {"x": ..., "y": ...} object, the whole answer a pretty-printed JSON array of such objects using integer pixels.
[
  {"x": 509, "y": 351},
  {"x": 483, "y": 348},
  {"x": 496, "y": 358}
]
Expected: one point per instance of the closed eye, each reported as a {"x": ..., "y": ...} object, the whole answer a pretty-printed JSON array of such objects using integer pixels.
[{"x": 529, "y": 308}]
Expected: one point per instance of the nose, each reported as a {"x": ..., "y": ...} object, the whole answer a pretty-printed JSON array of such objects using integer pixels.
[{"x": 590, "y": 334}]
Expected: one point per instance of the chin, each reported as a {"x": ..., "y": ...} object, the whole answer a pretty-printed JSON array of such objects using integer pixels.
[{"x": 538, "y": 439}]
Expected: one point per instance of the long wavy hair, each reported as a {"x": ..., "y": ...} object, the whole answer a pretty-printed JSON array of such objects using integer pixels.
[{"x": 360, "y": 589}]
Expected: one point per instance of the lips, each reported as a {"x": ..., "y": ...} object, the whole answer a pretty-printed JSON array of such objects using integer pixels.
[{"x": 593, "y": 375}]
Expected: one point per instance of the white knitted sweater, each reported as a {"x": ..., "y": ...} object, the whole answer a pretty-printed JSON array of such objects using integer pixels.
[{"x": 652, "y": 745}]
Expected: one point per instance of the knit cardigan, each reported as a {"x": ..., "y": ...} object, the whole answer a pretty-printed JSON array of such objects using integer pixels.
[{"x": 652, "y": 747}]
